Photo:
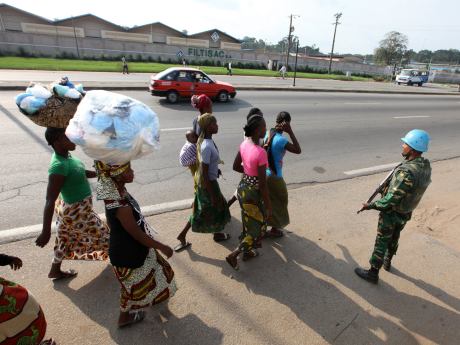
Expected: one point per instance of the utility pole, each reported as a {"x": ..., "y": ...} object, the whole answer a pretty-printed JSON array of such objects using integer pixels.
[
  {"x": 75, "y": 35},
  {"x": 291, "y": 29},
  {"x": 337, "y": 17},
  {"x": 295, "y": 65}
]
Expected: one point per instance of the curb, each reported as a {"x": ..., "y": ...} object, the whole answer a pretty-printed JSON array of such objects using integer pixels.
[
  {"x": 254, "y": 88},
  {"x": 31, "y": 231}
]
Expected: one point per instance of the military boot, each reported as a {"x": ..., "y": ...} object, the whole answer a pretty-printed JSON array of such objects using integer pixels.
[
  {"x": 371, "y": 275},
  {"x": 387, "y": 262}
]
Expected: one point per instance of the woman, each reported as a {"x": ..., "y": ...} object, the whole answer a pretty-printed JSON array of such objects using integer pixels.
[
  {"x": 204, "y": 105},
  {"x": 251, "y": 161},
  {"x": 146, "y": 278},
  {"x": 277, "y": 145},
  {"x": 81, "y": 234},
  {"x": 21, "y": 318},
  {"x": 210, "y": 209}
]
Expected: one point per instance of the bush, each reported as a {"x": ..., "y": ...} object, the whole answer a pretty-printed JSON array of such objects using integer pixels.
[{"x": 378, "y": 78}]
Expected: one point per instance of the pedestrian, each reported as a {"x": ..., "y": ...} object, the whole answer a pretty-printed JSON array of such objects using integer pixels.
[
  {"x": 210, "y": 209},
  {"x": 204, "y": 105},
  {"x": 229, "y": 68},
  {"x": 21, "y": 318},
  {"x": 80, "y": 233},
  {"x": 251, "y": 160},
  {"x": 282, "y": 72},
  {"x": 184, "y": 63},
  {"x": 404, "y": 192},
  {"x": 252, "y": 111},
  {"x": 146, "y": 278},
  {"x": 125, "y": 65},
  {"x": 187, "y": 156},
  {"x": 277, "y": 145}
]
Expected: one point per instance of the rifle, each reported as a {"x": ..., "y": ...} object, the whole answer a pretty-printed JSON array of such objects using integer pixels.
[{"x": 381, "y": 187}]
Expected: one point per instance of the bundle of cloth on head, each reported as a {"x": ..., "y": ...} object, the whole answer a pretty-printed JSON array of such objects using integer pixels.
[
  {"x": 114, "y": 128},
  {"x": 200, "y": 102},
  {"x": 36, "y": 96},
  {"x": 106, "y": 187}
]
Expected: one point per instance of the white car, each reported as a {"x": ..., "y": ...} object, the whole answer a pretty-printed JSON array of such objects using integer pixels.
[{"x": 412, "y": 77}]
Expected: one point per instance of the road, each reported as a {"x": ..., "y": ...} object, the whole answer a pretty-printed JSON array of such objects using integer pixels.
[
  {"x": 105, "y": 79},
  {"x": 340, "y": 135}
]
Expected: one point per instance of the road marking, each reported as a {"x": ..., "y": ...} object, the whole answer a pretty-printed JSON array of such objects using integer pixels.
[
  {"x": 411, "y": 117},
  {"x": 370, "y": 169},
  {"x": 17, "y": 234},
  {"x": 362, "y": 103},
  {"x": 174, "y": 129}
]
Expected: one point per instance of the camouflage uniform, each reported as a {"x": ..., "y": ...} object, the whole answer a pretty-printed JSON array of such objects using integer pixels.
[{"x": 404, "y": 192}]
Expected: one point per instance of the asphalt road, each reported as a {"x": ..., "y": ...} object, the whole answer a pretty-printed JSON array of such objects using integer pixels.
[{"x": 338, "y": 133}]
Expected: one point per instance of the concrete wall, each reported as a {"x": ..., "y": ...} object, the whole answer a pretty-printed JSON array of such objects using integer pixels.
[
  {"x": 444, "y": 77},
  {"x": 48, "y": 45}
]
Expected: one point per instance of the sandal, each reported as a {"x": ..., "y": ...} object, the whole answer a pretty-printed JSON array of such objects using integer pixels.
[
  {"x": 221, "y": 237},
  {"x": 65, "y": 275},
  {"x": 250, "y": 255},
  {"x": 233, "y": 262},
  {"x": 138, "y": 316},
  {"x": 182, "y": 246},
  {"x": 48, "y": 342},
  {"x": 275, "y": 233}
]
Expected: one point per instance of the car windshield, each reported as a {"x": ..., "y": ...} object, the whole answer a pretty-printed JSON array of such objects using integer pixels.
[
  {"x": 161, "y": 75},
  {"x": 406, "y": 72}
]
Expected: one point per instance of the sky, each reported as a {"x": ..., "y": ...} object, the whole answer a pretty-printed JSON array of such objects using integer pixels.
[{"x": 429, "y": 24}]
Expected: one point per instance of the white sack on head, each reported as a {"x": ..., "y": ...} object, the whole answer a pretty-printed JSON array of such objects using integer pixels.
[{"x": 114, "y": 128}]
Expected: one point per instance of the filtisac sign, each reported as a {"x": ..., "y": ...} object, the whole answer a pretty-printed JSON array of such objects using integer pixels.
[{"x": 210, "y": 53}]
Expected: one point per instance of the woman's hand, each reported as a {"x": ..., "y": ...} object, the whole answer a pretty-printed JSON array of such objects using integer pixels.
[
  {"x": 167, "y": 251},
  {"x": 15, "y": 263},
  {"x": 43, "y": 239}
]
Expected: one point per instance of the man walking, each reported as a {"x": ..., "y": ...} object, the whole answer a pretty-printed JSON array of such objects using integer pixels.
[
  {"x": 125, "y": 65},
  {"x": 229, "y": 68},
  {"x": 283, "y": 72},
  {"x": 404, "y": 192}
]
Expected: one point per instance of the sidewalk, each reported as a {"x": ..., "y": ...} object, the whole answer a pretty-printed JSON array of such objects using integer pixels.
[
  {"x": 18, "y": 80},
  {"x": 301, "y": 290}
]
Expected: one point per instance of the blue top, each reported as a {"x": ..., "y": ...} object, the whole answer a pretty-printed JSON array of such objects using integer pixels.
[{"x": 277, "y": 151}]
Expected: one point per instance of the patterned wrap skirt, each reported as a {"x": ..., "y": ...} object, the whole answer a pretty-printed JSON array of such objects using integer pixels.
[
  {"x": 207, "y": 218},
  {"x": 81, "y": 233},
  {"x": 150, "y": 284},
  {"x": 253, "y": 215},
  {"x": 277, "y": 190},
  {"x": 21, "y": 317}
]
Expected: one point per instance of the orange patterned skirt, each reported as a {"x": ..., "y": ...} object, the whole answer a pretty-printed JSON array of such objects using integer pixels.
[{"x": 81, "y": 233}]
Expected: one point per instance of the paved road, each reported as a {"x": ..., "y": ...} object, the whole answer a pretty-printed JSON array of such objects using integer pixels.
[
  {"x": 8, "y": 77},
  {"x": 338, "y": 133}
]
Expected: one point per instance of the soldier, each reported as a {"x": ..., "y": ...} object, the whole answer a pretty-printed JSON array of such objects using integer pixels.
[{"x": 399, "y": 199}]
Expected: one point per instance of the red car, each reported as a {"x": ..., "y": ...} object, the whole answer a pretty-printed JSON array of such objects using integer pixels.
[{"x": 178, "y": 82}]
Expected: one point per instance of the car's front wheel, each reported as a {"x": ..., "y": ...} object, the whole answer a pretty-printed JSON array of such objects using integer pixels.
[
  {"x": 223, "y": 96},
  {"x": 172, "y": 97}
]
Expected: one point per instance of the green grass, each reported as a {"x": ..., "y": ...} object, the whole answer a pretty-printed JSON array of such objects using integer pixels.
[{"x": 48, "y": 64}]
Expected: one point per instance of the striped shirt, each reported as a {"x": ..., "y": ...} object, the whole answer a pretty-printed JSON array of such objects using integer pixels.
[{"x": 187, "y": 156}]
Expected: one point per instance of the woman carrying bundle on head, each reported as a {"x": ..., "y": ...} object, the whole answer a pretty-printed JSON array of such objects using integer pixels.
[
  {"x": 146, "y": 278},
  {"x": 210, "y": 209},
  {"x": 251, "y": 160},
  {"x": 81, "y": 234}
]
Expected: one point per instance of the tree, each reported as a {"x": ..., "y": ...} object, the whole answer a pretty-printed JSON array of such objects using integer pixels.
[{"x": 391, "y": 48}]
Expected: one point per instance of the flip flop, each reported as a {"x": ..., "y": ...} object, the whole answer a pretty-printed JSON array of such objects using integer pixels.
[
  {"x": 180, "y": 247},
  {"x": 66, "y": 274},
  {"x": 223, "y": 238},
  {"x": 233, "y": 264},
  {"x": 138, "y": 317},
  {"x": 48, "y": 342},
  {"x": 274, "y": 233},
  {"x": 250, "y": 255}
]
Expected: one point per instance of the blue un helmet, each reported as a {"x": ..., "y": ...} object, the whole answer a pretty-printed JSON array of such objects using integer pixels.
[{"x": 417, "y": 139}]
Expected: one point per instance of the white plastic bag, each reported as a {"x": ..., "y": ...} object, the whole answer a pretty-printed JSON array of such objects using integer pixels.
[
  {"x": 38, "y": 91},
  {"x": 114, "y": 128}
]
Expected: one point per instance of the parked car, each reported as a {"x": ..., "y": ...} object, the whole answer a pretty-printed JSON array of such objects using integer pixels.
[
  {"x": 176, "y": 82},
  {"x": 412, "y": 77}
]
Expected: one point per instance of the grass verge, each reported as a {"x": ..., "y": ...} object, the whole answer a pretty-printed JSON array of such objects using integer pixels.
[{"x": 49, "y": 64}]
